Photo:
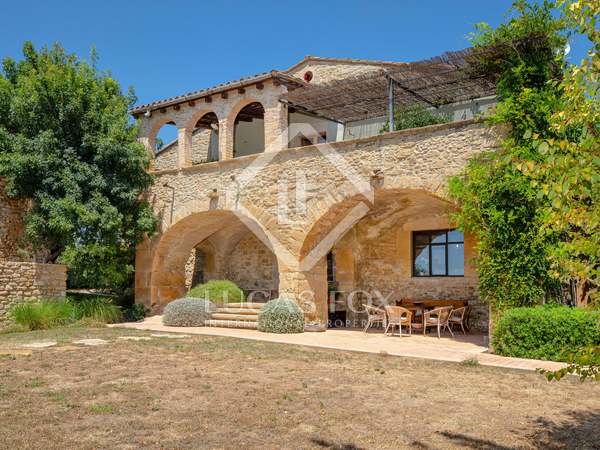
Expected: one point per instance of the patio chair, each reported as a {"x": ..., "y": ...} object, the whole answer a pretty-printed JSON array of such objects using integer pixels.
[
  {"x": 374, "y": 316},
  {"x": 398, "y": 316},
  {"x": 437, "y": 317},
  {"x": 459, "y": 316}
]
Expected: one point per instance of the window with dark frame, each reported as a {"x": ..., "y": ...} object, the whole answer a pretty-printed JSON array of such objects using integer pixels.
[{"x": 438, "y": 253}]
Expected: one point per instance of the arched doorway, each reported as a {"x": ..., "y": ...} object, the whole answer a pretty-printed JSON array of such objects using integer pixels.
[
  {"x": 227, "y": 249},
  {"x": 249, "y": 130}
]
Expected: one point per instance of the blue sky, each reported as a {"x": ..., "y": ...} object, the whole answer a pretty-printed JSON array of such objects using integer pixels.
[{"x": 169, "y": 48}]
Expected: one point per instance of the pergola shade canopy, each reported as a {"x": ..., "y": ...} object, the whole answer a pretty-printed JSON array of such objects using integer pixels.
[{"x": 435, "y": 82}]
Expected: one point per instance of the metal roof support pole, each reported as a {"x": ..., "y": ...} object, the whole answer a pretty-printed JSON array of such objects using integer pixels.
[{"x": 391, "y": 103}]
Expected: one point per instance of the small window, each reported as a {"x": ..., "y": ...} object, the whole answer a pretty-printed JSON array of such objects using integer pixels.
[{"x": 439, "y": 253}]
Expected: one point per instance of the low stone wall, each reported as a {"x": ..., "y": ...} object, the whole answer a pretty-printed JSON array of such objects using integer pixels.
[{"x": 20, "y": 281}]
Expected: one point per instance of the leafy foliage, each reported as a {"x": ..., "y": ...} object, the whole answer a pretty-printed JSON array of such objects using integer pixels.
[
  {"x": 67, "y": 143},
  {"x": 584, "y": 363},
  {"x": 44, "y": 314},
  {"x": 415, "y": 117},
  {"x": 498, "y": 204},
  {"x": 545, "y": 332},
  {"x": 49, "y": 313},
  {"x": 134, "y": 313},
  {"x": 99, "y": 309},
  {"x": 188, "y": 312},
  {"x": 218, "y": 291},
  {"x": 281, "y": 315},
  {"x": 567, "y": 176}
]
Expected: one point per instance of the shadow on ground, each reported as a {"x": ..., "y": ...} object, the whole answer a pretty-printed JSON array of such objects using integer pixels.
[
  {"x": 580, "y": 430},
  {"x": 333, "y": 446}
]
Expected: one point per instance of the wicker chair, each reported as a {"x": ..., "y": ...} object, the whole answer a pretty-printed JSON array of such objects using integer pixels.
[
  {"x": 459, "y": 316},
  {"x": 398, "y": 316},
  {"x": 374, "y": 316},
  {"x": 437, "y": 318}
]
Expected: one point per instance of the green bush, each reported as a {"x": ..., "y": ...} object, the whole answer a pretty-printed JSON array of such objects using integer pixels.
[
  {"x": 218, "y": 291},
  {"x": 134, "y": 313},
  {"x": 188, "y": 312},
  {"x": 415, "y": 117},
  {"x": 281, "y": 315},
  {"x": 49, "y": 313},
  {"x": 100, "y": 309},
  {"x": 545, "y": 332},
  {"x": 43, "y": 314}
]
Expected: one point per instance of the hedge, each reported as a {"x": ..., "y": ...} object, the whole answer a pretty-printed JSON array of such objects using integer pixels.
[{"x": 545, "y": 332}]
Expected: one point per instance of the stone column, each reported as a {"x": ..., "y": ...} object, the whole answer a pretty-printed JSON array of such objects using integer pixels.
[
  {"x": 308, "y": 289},
  {"x": 148, "y": 144},
  {"x": 276, "y": 125},
  {"x": 226, "y": 135},
  {"x": 184, "y": 147},
  {"x": 143, "y": 273}
]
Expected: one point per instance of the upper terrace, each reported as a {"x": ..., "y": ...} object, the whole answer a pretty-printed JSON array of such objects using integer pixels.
[{"x": 317, "y": 100}]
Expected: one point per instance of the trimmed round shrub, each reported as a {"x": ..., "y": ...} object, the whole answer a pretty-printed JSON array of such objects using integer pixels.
[
  {"x": 188, "y": 312},
  {"x": 281, "y": 315},
  {"x": 545, "y": 332},
  {"x": 218, "y": 291}
]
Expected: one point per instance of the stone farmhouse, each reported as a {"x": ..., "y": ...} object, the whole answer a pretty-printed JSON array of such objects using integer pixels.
[{"x": 286, "y": 184}]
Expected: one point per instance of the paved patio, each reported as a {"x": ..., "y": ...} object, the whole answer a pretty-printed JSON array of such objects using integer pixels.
[{"x": 457, "y": 349}]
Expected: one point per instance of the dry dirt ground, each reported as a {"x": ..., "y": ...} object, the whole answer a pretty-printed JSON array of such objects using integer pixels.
[{"x": 212, "y": 392}]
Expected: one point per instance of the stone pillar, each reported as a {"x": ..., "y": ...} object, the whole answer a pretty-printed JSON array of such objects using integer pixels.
[
  {"x": 143, "y": 273},
  {"x": 226, "y": 136},
  {"x": 276, "y": 125},
  {"x": 148, "y": 144},
  {"x": 184, "y": 147},
  {"x": 308, "y": 289}
]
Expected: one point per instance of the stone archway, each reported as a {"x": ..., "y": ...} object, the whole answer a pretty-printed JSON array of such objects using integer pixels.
[
  {"x": 161, "y": 261},
  {"x": 372, "y": 251}
]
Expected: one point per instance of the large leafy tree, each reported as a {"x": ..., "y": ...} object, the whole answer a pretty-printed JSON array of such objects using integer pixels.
[{"x": 67, "y": 143}]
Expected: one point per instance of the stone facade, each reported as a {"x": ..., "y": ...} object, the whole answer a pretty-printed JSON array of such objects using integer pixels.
[
  {"x": 325, "y": 70},
  {"x": 378, "y": 188}
]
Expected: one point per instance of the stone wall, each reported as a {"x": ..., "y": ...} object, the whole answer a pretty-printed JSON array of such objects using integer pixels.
[
  {"x": 252, "y": 266},
  {"x": 20, "y": 281},
  {"x": 325, "y": 71}
]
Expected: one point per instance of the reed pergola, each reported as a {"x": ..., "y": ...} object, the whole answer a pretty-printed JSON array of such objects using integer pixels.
[{"x": 432, "y": 83}]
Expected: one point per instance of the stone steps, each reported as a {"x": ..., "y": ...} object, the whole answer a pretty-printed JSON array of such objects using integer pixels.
[
  {"x": 231, "y": 324},
  {"x": 235, "y": 317},
  {"x": 245, "y": 305},
  {"x": 244, "y": 311}
]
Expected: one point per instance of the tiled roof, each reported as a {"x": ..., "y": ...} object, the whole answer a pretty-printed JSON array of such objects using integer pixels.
[{"x": 217, "y": 89}]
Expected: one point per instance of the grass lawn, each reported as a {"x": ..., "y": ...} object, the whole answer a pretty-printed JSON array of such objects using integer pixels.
[{"x": 212, "y": 392}]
